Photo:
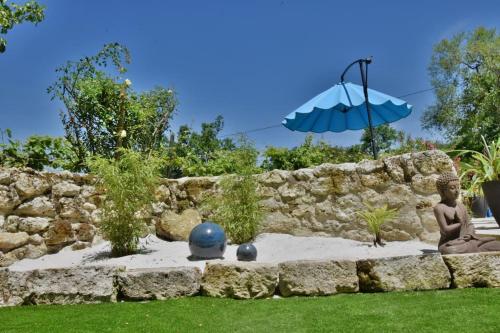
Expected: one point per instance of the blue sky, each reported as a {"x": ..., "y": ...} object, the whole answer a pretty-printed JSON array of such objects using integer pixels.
[{"x": 253, "y": 62}]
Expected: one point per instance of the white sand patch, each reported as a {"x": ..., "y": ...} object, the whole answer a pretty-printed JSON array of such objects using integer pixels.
[{"x": 271, "y": 248}]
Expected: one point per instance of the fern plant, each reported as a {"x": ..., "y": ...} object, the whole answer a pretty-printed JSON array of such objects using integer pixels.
[{"x": 374, "y": 218}]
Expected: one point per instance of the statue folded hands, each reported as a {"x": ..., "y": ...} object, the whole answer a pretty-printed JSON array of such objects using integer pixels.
[{"x": 457, "y": 233}]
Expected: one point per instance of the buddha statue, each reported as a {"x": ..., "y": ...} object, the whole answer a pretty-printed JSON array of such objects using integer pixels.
[{"x": 457, "y": 232}]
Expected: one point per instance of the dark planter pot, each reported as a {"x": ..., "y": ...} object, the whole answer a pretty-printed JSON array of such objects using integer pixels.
[
  {"x": 479, "y": 207},
  {"x": 491, "y": 191}
]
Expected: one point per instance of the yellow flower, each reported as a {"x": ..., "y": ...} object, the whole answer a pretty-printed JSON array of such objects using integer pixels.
[{"x": 123, "y": 134}]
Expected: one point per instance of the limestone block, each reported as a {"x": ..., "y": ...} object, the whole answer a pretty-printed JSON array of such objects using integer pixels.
[
  {"x": 345, "y": 179},
  {"x": 85, "y": 232},
  {"x": 277, "y": 222},
  {"x": 394, "y": 169},
  {"x": 5, "y": 177},
  {"x": 474, "y": 269},
  {"x": 35, "y": 239},
  {"x": 370, "y": 166},
  {"x": 159, "y": 283},
  {"x": 239, "y": 280},
  {"x": 79, "y": 245},
  {"x": 12, "y": 223},
  {"x": 424, "y": 184},
  {"x": 273, "y": 178},
  {"x": 377, "y": 180},
  {"x": 196, "y": 186},
  {"x": 400, "y": 195},
  {"x": 89, "y": 206},
  {"x": 7, "y": 259},
  {"x": 39, "y": 206},
  {"x": 432, "y": 161},
  {"x": 8, "y": 199},
  {"x": 35, "y": 251},
  {"x": 65, "y": 189},
  {"x": 422, "y": 272},
  {"x": 272, "y": 205},
  {"x": 303, "y": 175},
  {"x": 177, "y": 227},
  {"x": 315, "y": 278},
  {"x": 73, "y": 285},
  {"x": 10, "y": 241},
  {"x": 59, "y": 235},
  {"x": 321, "y": 187},
  {"x": 289, "y": 192},
  {"x": 33, "y": 225},
  {"x": 162, "y": 193},
  {"x": 71, "y": 208},
  {"x": 30, "y": 185}
]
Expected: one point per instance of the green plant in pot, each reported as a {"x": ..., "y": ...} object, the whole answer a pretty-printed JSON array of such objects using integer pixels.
[
  {"x": 484, "y": 172},
  {"x": 473, "y": 196}
]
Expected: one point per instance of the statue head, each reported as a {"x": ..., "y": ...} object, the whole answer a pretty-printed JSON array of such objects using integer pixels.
[{"x": 448, "y": 186}]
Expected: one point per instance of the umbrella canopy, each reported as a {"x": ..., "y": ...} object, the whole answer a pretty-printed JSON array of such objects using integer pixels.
[{"x": 343, "y": 107}]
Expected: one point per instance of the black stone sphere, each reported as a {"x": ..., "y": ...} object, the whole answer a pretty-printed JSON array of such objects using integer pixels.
[
  {"x": 207, "y": 241},
  {"x": 246, "y": 252}
]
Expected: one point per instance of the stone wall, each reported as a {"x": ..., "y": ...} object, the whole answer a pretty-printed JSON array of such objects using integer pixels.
[{"x": 44, "y": 212}]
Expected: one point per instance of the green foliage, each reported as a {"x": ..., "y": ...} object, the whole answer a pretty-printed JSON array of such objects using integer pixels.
[
  {"x": 13, "y": 14},
  {"x": 103, "y": 113},
  {"x": 200, "y": 154},
  {"x": 37, "y": 152},
  {"x": 465, "y": 75},
  {"x": 375, "y": 217},
  {"x": 309, "y": 154},
  {"x": 483, "y": 166},
  {"x": 237, "y": 208},
  {"x": 128, "y": 183},
  {"x": 385, "y": 137}
]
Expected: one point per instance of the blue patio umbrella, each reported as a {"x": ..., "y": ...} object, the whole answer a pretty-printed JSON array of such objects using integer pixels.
[{"x": 348, "y": 106}]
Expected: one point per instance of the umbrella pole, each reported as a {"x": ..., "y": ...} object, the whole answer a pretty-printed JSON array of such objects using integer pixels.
[{"x": 364, "y": 78}]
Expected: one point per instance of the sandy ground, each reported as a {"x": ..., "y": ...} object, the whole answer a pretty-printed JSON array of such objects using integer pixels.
[{"x": 271, "y": 248}]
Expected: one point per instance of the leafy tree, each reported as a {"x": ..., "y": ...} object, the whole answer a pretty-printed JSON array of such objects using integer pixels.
[
  {"x": 37, "y": 152},
  {"x": 200, "y": 154},
  {"x": 465, "y": 73},
  {"x": 385, "y": 137},
  {"x": 129, "y": 183},
  {"x": 13, "y": 14},
  {"x": 103, "y": 113}
]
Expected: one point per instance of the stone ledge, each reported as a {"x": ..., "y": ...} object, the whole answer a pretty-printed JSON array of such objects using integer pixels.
[
  {"x": 159, "y": 283},
  {"x": 239, "y": 280},
  {"x": 242, "y": 280},
  {"x": 75, "y": 285},
  {"x": 475, "y": 269},
  {"x": 422, "y": 272},
  {"x": 317, "y": 278}
]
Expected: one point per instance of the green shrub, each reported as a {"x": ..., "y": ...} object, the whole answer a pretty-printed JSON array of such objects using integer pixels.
[
  {"x": 38, "y": 152},
  {"x": 375, "y": 217},
  {"x": 237, "y": 208},
  {"x": 128, "y": 183}
]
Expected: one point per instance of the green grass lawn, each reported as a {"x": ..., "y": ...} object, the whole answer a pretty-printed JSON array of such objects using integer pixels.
[{"x": 469, "y": 310}]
